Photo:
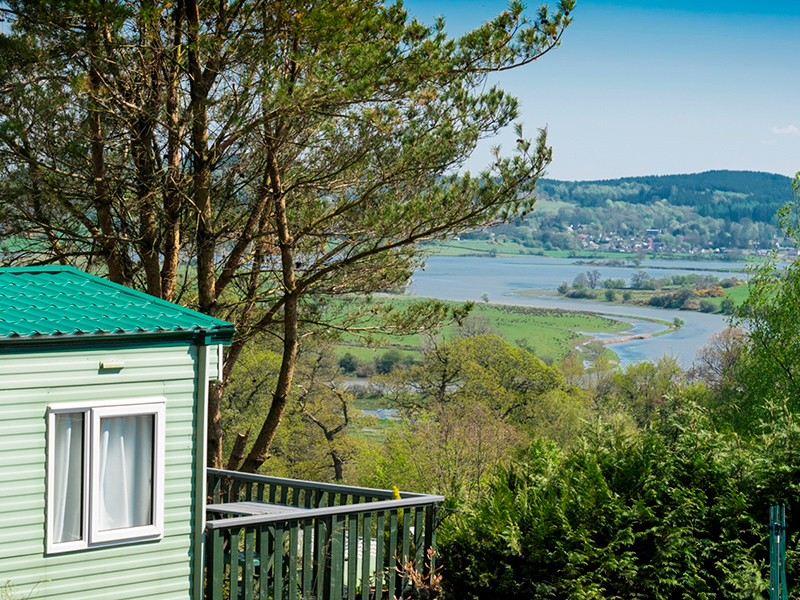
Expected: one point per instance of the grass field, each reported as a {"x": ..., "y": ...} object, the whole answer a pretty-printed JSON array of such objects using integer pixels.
[
  {"x": 550, "y": 206},
  {"x": 548, "y": 333}
]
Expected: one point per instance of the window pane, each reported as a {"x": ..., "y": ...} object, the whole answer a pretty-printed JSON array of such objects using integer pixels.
[
  {"x": 126, "y": 472},
  {"x": 68, "y": 478}
]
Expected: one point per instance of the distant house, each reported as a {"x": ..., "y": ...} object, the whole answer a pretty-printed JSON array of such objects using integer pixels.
[{"x": 102, "y": 453}]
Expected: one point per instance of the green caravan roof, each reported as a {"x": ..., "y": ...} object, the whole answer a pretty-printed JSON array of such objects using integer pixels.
[{"x": 64, "y": 303}]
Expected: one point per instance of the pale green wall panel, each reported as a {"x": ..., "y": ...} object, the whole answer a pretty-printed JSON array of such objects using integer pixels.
[
  {"x": 9, "y": 477},
  {"x": 31, "y": 381},
  {"x": 115, "y": 579},
  {"x": 17, "y": 489}
]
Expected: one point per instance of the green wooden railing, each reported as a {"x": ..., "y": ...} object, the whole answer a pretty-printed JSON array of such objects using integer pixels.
[{"x": 341, "y": 542}]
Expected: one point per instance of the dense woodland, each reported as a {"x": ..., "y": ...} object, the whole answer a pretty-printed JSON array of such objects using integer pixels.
[
  {"x": 712, "y": 210},
  {"x": 732, "y": 195}
]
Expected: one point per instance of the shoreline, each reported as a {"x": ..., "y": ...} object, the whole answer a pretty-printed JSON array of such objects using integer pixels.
[{"x": 622, "y": 340}]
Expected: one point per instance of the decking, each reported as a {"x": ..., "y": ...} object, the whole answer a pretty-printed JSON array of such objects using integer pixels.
[{"x": 287, "y": 539}]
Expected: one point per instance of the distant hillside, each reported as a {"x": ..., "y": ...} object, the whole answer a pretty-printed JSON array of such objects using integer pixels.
[
  {"x": 732, "y": 195},
  {"x": 716, "y": 211}
]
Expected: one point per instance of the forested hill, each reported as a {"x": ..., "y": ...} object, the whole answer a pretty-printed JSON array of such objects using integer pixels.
[
  {"x": 730, "y": 195},
  {"x": 715, "y": 211}
]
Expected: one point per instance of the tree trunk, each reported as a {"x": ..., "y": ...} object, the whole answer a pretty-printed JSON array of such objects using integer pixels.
[
  {"x": 338, "y": 466},
  {"x": 258, "y": 453},
  {"x": 201, "y": 166},
  {"x": 214, "y": 442},
  {"x": 148, "y": 234},
  {"x": 237, "y": 454},
  {"x": 172, "y": 196},
  {"x": 102, "y": 198},
  {"x": 260, "y": 449},
  {"x": 201, "y": 194}
]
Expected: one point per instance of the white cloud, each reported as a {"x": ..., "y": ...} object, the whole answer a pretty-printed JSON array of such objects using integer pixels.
[{"x": 790, "y": 129}]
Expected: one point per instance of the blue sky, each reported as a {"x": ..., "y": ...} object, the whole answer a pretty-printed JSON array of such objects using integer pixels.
[{"x": 659, "y": 87}]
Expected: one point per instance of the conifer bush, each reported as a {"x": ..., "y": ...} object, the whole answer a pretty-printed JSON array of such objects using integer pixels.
[{"x": 675, "y": 510}]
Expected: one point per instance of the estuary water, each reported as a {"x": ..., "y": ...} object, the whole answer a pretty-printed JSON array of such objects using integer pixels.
[{"x": 469, "y": 278}]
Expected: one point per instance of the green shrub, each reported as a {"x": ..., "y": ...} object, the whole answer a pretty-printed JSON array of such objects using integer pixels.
[
  {"x": 676, "y": 510},
  {"x": 707, "y": 306}
]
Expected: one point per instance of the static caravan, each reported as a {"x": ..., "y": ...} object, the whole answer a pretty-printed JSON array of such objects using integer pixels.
[
  {"x": 102, "y": 451},
  {"x": 103, "y": 484}
]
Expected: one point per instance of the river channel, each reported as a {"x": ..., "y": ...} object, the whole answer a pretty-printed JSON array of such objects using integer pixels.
[{"x": 468, "y": 278}]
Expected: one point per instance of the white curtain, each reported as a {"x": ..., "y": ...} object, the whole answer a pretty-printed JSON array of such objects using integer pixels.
[
  {"x": 68, "y": 477},
  {"x": 126, "y": 472}
]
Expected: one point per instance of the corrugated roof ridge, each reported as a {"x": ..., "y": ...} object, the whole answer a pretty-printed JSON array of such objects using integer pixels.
[
  {"x": 153, "y": 299},
  {"x": 101, "y": 307},
  {"x": 117, "y": 288}
]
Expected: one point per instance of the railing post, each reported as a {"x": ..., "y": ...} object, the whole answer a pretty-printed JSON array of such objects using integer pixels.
[
  {"x": 380, "y": 530},
  {"x": 294, "y": 529},
  {"x": 393, "y": 574},
  {"x": 215, "y": 564},
  {"x": 308, "y": 555},
  {"x": 249, "y": 562},
  {"x": 277, "y": 558},
  {"x": 285, "y": 495},
  {"x": 366, "y": 554},
  {"x": 234, "y": 489},
  {"x": 233, "y": 554},
  {"x": 322, "y": 557},
  {"x": 272, "y": 493},
  {"x": 213, "y": 485},
  {"x": 419, "y": 539},
  {"x": 777, "y": 553},
  {"x": 264, "y": 550},
  {"x": 352, "y": 555},
  {"x": 430, "y": 541},
  {"x": 335, "y": 573},
  {"x": 406, "y": 548}
]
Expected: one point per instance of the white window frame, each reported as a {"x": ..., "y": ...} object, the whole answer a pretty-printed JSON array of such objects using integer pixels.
[{"x": 93, "y": 412}]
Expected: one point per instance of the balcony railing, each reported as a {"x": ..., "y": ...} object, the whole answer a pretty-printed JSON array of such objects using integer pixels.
[{"x": 314, "y": 540}]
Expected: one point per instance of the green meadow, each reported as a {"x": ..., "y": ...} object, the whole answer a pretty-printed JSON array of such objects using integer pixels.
[{"x": 548, "y": 333}]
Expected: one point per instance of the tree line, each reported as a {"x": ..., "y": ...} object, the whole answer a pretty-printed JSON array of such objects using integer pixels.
[
  {"x": 731, "y": 195},
  {"x": 685, "y": 292}
]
